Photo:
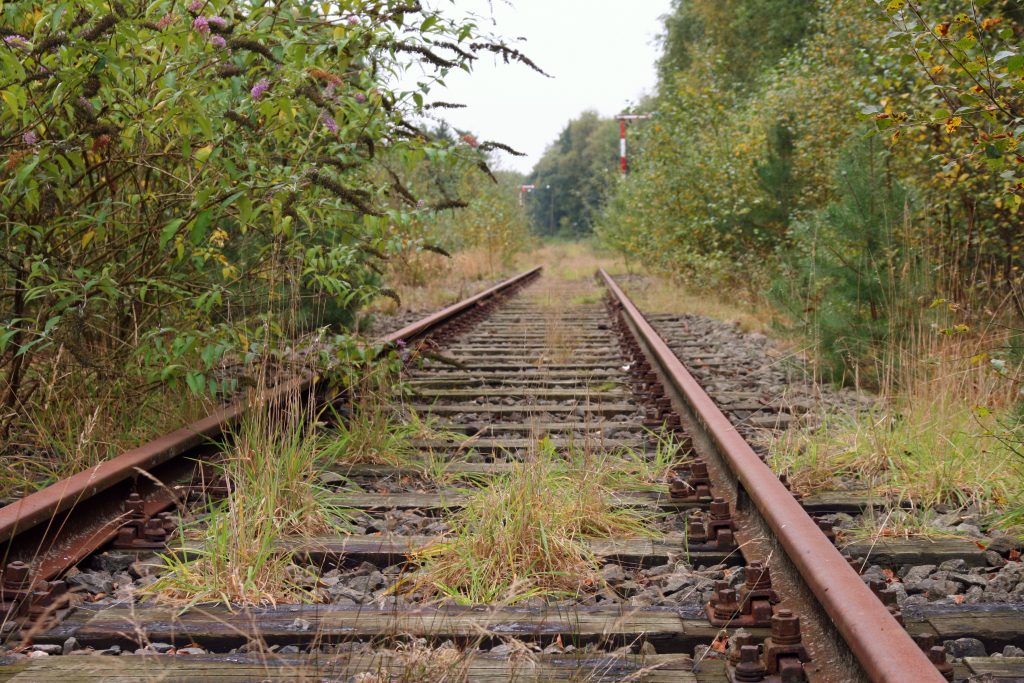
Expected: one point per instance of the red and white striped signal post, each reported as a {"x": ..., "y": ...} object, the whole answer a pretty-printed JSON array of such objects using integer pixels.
[
  {"x": 523, "y": 189},
  {"x": 622, "y": 119}
]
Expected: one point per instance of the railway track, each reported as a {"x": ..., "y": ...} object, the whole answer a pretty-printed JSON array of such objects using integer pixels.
[{"x": 737, "y": 581}]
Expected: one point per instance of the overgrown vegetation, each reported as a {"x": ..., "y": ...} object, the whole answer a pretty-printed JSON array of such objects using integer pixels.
[
  {"x": 187, "y": 184},
  {"x": 232, "y": 554},
  {"x": 856, "y": 166},
  {"x": 526, "y": 534}
]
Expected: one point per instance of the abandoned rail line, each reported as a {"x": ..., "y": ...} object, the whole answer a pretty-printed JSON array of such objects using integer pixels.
[{"x": 739, "y": 582}]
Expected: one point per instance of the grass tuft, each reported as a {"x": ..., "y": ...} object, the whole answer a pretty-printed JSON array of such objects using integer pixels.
[
  {"x": 524, "y": 536},
  {"x": 232, "y": 554},
  {"x": 928, "y": 455}
]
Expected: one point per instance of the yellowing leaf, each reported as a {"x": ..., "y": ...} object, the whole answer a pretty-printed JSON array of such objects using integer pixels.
[
  {"x": 87, "y": 237},
  {"x": 203, "y": 153}
]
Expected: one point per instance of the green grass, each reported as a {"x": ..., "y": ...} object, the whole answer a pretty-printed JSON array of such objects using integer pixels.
[
  {"x": 525, "y": 535},
  {"x": 231, "y": 554},
  {"x": 928, "y": 454},
  {"x": 372, "y": 435}
]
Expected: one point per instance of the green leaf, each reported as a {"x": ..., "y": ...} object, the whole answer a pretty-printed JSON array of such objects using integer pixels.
[
  {"x": 196, "y": 382},
  {"x": 169, "y": 231}
]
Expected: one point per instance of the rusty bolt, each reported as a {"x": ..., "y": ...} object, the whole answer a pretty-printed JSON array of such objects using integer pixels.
[
  {"x": 925, "y": 641},
  {"x": 750, "y": 667},
  {"x": 695, "y": 530},
  {"x": 167, "y": 521},
  {"x": 699, "y": 468},
  {"x": 785, "y": 628},
  {"x": 154, "y": 531},
  {"x": 725, "y": 602},
  {"x": 725, "y": 538},
  {"x": 719, "y": 509},
  {"x": 758, "y": 576},
  {"x": 937, "y": 656},
  {"x": 738, "y": 640},
  {"x": 135, "y": 506},
  {"x": 878, "y": 587},
  {"x": 17, "y": 575},
  {"x": 791, "y": 670}
]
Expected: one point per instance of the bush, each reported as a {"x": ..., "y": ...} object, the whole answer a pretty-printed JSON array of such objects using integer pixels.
[{"x": 181, "y": 180}]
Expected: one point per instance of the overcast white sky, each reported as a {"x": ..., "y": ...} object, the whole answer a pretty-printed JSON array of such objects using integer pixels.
[{"x": 600, "y": 55}]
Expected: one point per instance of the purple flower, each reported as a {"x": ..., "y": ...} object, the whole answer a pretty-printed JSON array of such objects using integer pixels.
[
  {"x": 196, "y": 6},
  {"x": 260, "y": 88},
  {"x": 219, "y": 22},
  {"x": 218, "y": 42},
  {"x": 400, "y": 343},
  {"x": 165, "y": 21},
  {"x": 420, "y": 203},
  {"x": 353, "y": 20},
  {"x": 30, "y": 138},
  {"x": 15, "y": 40},
  {"x": 329, "y": 122},
  {"x": 201, "y": 25},
  {"x": 360, "y": 97}
]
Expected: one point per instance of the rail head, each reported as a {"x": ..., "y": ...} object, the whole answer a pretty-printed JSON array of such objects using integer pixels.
[
  {"x": 422, "y": 327},
  {"x": 883, "y": 648},
  {"x": 43, "y": 505}
]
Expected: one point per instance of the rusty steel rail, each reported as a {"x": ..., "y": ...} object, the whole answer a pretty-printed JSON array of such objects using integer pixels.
[
  {"x": 58, "y": 526},
  {"x": 421, "y": 327},
  {"x": 882, "y": 647}
]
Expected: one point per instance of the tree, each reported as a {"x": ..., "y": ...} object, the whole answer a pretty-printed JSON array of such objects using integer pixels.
[{"x": 574, "y": 175}]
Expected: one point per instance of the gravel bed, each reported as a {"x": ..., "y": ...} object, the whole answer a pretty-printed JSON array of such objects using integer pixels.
[
  {"x": 674, "y": 584},
  {"x": 419, "y": 650},
  {"x": 758, "y": 385}
]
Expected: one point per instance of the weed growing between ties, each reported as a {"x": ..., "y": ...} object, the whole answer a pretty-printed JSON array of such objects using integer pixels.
[
  {"x": 232, "y": 553},
  {"x": 526, "y": 534},
  {"x": 368, "y": 431},
  {"x": 371, "y": 435},
  {"x": 896, "y": 522},
  {"x": 627, "y": 469}
]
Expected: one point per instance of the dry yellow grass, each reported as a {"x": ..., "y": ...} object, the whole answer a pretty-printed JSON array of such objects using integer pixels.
[
  {"x": 947, "y": 434},
  {"x": 652, "y": 293},
  {"x": 430, "y": 281},
  {"x": 655, "y": 294}
]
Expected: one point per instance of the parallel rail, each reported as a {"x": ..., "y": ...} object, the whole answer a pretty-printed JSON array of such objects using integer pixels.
[{"x": 59, "y": 526}]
